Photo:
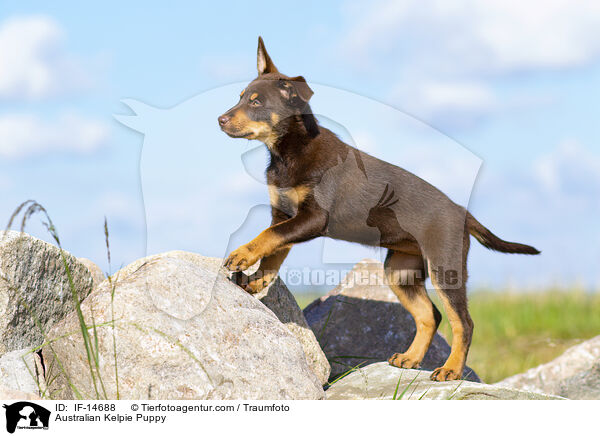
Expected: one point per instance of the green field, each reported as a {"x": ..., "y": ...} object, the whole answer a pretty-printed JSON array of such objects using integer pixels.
[{"x": 517, "y": 331}]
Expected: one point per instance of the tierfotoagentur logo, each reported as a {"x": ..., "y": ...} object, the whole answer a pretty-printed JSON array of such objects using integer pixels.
[{"x": 26, "y": 415}]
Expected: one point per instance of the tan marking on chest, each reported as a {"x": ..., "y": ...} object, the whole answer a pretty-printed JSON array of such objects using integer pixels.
[
  {"x": 273, "y": 195},
  {"x": 288, "y": 197}
]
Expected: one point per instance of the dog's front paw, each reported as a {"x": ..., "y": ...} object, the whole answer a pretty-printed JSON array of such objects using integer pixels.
[
  {"x": 240, "y": 259},
  {"x": 445, "y": 374},
  {"x": 402, "y": 360}
]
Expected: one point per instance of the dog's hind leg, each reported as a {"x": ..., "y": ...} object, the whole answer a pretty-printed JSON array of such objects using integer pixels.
[
  {"x": 406, "y": 277},
  {"x": 449, "y": 279}
]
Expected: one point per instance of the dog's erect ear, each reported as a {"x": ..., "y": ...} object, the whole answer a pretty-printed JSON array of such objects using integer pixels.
[{"x": 263, "y": 61}]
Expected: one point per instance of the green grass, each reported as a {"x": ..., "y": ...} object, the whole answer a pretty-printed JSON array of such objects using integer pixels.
[
  {"x": 87, "y": 329},
  {"x": 517, "y": 331},
  {"x": 305, "y": 299}
]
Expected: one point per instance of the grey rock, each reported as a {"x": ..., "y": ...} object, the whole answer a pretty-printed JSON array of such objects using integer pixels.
[
  {"x": 22, "y": 371},
  {"x": 582, "y": 386},
  {"x": 380, "y": 381},
  {"x": 32, "y": 272},
  {"x": 282, "y": 303},
  {"x": 95, "y": 271},
  {"x": 575, "y": 374},
  {"x": 11, "y": 395},
  {"x": 361, "y": 322},
  {"x": 278, "y": 298},
  {"x": 183, "y": 331}
]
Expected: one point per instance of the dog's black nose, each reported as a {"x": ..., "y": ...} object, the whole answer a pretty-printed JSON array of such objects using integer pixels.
[{"x": 223, "y": 119}]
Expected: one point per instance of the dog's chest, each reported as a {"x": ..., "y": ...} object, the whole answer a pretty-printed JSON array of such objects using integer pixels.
[
  {"x": 286, "y": 188},
  {"x": 287, "y": 199}
]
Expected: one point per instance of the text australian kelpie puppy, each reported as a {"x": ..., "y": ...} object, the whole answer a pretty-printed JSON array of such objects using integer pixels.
[{"x": 320, "y": 186}]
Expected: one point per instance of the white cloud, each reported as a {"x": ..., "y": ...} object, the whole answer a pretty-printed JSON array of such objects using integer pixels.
[
  {"x": 448, "y": 57},
  {"x": 494, "y": 36},
  {"x": 571, "y": 171},
  {"x": 436, "y": 99},
  {"x": 24, "y": 135},
  {"x": 34, "y": 61}
]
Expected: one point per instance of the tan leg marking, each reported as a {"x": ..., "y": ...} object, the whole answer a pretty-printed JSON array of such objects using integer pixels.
[
  {"x": 267, "y": 271},
  {"x": 421, "y": 309},
  {"x": 412, "y": 294},
  {"x": 247, "y": 255},
  {"x": 454, "y": 365}
]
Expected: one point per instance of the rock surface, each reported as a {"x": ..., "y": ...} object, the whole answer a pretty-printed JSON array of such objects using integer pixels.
[
  {"x": 95, "y": 271},
  {"x": 582, "y": 386},
  {"x": 183, "y": 331},
  {"x": 361, "y": 322},
  {"x": 575, "y": 374},
  {"x": 280, "y": 300},
  {"x": 22, "y": 371},
  {"x": 32, "y": 270},
  {"x": 378, "y": 381},
  {"x": 11, "y": 395}
]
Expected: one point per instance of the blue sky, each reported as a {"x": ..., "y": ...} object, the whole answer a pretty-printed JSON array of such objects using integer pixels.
[{"x": 511, "y": 86}]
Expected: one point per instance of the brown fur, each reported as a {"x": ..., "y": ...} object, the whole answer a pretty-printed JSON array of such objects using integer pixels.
[{"x": 320, "y": 186}]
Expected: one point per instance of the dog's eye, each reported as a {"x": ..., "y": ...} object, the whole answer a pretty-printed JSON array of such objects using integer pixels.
[{"x": 255, "y": 102}]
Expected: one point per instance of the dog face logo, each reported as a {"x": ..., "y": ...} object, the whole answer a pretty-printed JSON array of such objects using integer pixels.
[{"x": 26, "y": 415}]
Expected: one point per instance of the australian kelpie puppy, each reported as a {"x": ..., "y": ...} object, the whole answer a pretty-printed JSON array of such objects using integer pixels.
[{"x": 320, "y": 186}]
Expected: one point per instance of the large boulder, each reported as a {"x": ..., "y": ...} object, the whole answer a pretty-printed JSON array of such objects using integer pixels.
[
  {"x": 380, "y": 381},
  {"x": 582, "y": 386},
  {"x": 282, "y": 303},
  {"x": 8, "y": 394},
  {"x": 94, "y": 270},
  {"x": 575, "y": 374},
  {"x": 280, "y": 300},
  {"x": 182, "y": 331},
  {"x": 361, "y": 322},
  {"x": 34, "y": 284},
  {"x": 22, "y": 371}
]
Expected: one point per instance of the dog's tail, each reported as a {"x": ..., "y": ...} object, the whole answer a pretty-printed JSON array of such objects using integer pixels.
[{"x": 493, "y": 242}]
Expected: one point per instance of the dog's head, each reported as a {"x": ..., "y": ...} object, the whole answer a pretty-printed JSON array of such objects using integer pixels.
[{"x": 266, "y": 103}]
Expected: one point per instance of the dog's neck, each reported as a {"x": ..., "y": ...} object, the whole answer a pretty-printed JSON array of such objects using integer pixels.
[{"x": 293, "y": 134}]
